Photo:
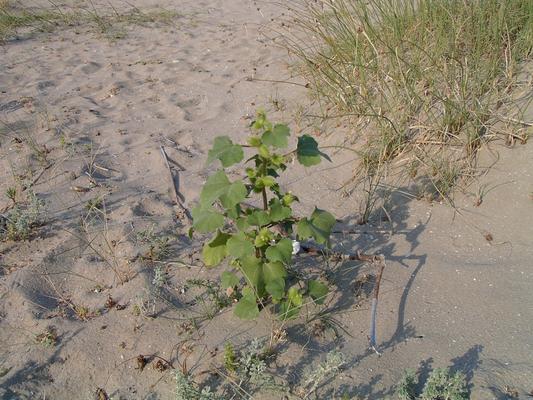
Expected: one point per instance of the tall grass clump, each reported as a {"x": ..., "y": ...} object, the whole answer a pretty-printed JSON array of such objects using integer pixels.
[{"x": 427, "y": 79}]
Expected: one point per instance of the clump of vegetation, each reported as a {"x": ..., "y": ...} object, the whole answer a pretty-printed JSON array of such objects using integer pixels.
[
  {"x": 160, "y": 278},
  {"x": 211, "y": 298},
  {"x": 110, "y": 22},
  {"x": 440, "y": 385},
  {"x": 327, "y": 369},
  {"x": 186, "y": 389},
  {"x": 11, "y": 193},
  {"x": 246, "y": 373},
  {"x": 48, "y": 338},
  {"x": 19, "y": 222},
  {"x": 158, "y": 245},
  {"x": 230, "y": 358},
  {"x": 257, "y": 239},
  {"x": 429, "y": 80}
]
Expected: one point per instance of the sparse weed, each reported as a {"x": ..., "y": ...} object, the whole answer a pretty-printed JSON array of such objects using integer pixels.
[
  {"x": 160, "y": 278},
  {"x": 11, "y": 194},
  {"x": 19, "y": 221},
  {"x": 158, "y": 245},
  {"x": 327, "y": 369},
  {"x": 440, "y": 385},
  {"x": 48, "y": 338},
  {"x": 230, "y": 358},
  {"x": 95, "y": 204},
  {"x": 248, "y": 371},
  {"x": 144, "y": 307},
  {"x": 211, "y": 298},
  {"x": 188, "y": 390}
]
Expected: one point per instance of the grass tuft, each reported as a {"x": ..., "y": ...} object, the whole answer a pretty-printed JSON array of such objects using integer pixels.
[
  {"x": 425, "y": 78},
  {"x": 110, "y": 23}
]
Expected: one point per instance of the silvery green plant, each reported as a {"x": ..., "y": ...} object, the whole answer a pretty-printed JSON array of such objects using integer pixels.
[
  {"x": 257, "y": 240},
  {"x": 18, "y": 223},
  {"x": 440, "y": 385}
]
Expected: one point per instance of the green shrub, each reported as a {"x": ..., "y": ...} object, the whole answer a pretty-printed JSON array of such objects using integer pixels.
[
  {"x": 257, "y": 239},
  {"x": 440, "y": 385}
]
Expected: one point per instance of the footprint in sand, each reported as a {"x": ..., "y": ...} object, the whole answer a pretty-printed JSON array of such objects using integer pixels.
[{"x": 91, "y": 68}]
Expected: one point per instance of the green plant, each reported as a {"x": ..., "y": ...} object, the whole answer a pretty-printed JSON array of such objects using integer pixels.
[
  {"x": 325, "y": 370},
  {"x": 22, "y": 219},
  {"x": 211, "y": 299},
  {"x": 440, "y": 385},
  {"x": 406, "y": 387},
  {"x": 158, "y": 245},
  {"x": 48, "y": 338},
  {"x": 160, "y": 278},
  {"x": 257, "y": 240},
  {"x": 95, "y": 204},
  {"x": 11, "y": 193},
  {"x": 230, "y": 358},
  {"x": 188, "y": 390},
  {"x": 249, "y": 371}
]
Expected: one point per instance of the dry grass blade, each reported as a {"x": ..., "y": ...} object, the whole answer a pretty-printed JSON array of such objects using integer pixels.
[{"x": 424, "y": 78}]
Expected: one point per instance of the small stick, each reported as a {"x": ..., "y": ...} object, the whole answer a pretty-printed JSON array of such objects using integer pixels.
[
  {"x": 372, "y": 337},
  {"x": 104, "y": 168},
  {"x": 34, "y": 181},
  {"x": 174, "y": 190},
  {"x": 373, "y": 259}
]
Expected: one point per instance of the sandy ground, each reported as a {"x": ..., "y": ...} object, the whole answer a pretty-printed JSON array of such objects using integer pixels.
[{"x": 103, "y": 107}]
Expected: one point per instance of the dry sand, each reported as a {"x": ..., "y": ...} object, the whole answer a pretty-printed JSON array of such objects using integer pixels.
[{"x": 449, "y": 297}]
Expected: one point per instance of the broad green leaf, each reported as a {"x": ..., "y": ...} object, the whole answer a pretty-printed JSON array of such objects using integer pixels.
[
  {"x": 247, "y": 308},
  {"x": 259, "y": 218},
  {"x": 242, "y": 223},
  {"x": 252, "y": 269},
  {"x": 277, "y": 137},
  {"x": 278, "y": 212},
  {"x": 307, "y": 151},
  {"x": 233, "y": 212},
  {"x": 318, "y": 226},
  {"x": 318, "y": 291},
  {"x": 304, "y": 229},
  {"x": 236, "y": 192},
  {"x": 228, "y": 279},
  {"x": 239, "y": 246},
  {"x": 215, "y": 186},
  {"x": 273, "y": 271},
  {"x": 276, "y": 288},
  {"x": 206, "y": 219},
  {"x": 291, "y": 307},
  {"x": 215, "y": 251},
  {"x": 281, "y": 251},
  {"x": 225, "y": 151}
]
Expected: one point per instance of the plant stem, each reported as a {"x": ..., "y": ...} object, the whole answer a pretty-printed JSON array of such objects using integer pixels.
[
  {"x": 265, "y": 200},
  {"x": 263, "y": 192}
]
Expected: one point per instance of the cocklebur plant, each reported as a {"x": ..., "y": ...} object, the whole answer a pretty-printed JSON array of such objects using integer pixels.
[{"x": 257, "y": 240}]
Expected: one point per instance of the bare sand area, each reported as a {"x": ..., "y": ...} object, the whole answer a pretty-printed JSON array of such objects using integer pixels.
[{"x": 84, "y": 114}]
